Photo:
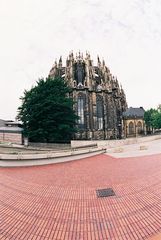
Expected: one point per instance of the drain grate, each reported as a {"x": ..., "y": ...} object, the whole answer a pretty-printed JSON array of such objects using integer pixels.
[{"x": 107, "y": 192}]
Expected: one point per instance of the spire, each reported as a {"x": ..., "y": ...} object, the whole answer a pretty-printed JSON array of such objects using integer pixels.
[
  {"x": 80, "y": 56},
  {"x": 117, "y": 81},
  {"x": 71, "y": 56},
  {"x": 60, "y": 62},
  {"x": 67, "y": 62},
  {"x": 98, "y": 61},
  {"x": 55, "y": 64},
  {"x": 53, "y": 69},
  {"x": 87, "y": 55}
]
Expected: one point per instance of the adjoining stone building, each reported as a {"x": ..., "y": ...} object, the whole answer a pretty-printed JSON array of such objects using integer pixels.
[
  {"x": 10, "y": 132},
  {"x": 2, "y": 123},
  {"x": 99, "y": 99},
  {"x": 134, "y": 124}
]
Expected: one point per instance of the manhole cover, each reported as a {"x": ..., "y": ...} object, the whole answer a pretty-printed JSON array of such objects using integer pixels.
[{"x": 107, "y": 192}]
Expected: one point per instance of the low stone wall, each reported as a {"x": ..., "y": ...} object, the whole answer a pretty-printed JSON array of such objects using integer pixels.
[
  {"x": 50, "y": 145},
  {"x": 114, "y": 143},
  {"x": 11, "y": 137}
]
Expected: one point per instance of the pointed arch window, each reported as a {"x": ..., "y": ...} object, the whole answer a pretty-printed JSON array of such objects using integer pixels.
[
  {"x": 99, "y": 105},
  {"x": 139, "y": 127},
  {"x": 79, "y": 73},
  {"x": 80, "y": 111},
  {"x": 131, "y": 128}
]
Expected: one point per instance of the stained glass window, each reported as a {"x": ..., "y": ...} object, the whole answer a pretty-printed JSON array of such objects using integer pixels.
[
  {"x": 81, "y": 111},
  {"x": 99, "y": 113}
]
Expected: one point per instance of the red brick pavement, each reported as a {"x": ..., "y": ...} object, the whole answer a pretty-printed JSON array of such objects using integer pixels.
[{"x": 59, "y": 201}]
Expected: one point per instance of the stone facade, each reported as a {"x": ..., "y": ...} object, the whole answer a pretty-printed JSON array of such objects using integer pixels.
[
  {"x": 10, "y": 132},
  {"x": 2, "y": 123},
  {"x": 99, "y": 99},
  {"x": 10, "y": 137}
]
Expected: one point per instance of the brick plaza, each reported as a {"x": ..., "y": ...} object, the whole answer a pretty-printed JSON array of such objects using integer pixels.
[{"x": 59, "y": 201}]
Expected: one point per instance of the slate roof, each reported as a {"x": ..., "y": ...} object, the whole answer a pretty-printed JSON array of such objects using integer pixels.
[
  {"x": 11, "y": 129},
  {"x": 10, "y": 126},
  {"x": 134, "y": 112}
]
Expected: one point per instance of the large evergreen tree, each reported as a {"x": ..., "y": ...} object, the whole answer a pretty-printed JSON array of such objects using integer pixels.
[{"x": 47, "y": 113}]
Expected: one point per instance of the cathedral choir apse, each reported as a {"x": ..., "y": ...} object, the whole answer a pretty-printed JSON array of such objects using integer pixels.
[{"x": 99, "y": 100}]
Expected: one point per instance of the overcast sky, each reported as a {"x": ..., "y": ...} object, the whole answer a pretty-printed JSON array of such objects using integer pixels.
[{"x": 127, "y": 34}]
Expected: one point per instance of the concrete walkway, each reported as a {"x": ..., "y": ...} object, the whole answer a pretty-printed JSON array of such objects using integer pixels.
[{"x": 138, "y": 149}]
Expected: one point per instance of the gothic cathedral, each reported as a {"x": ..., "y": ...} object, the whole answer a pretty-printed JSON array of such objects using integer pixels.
[{"x": 99, "y": 100}]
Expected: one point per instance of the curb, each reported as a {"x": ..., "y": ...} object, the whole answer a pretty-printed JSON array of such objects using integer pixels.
[{"x": 24, "y": 160}]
